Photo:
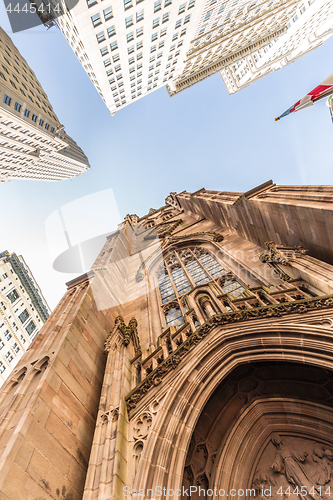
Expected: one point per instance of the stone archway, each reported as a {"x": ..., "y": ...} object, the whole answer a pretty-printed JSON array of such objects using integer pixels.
[{"x": 232, "y": 448}]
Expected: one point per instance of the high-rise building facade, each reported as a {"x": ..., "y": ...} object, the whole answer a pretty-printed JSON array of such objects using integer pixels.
[
  {"x": 130, "y": 48},
  {"x": 310, "y": 25},
  {"x": 215, "y": 370},
  {"x": 23, "y": 311},
  {"x": 33, "y": 143}
]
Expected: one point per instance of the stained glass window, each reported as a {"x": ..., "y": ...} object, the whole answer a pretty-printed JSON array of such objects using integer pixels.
[
  {"x": 180, "y": 280},
  {"x": 233, "y": 287},
  {"x": 197, "y": 273},
  {"x": 166, "y": 289},
  {"x": 186, "y": 269},
  {"x": 173, "y": 317},
  {"x": 213, "y": 267}
]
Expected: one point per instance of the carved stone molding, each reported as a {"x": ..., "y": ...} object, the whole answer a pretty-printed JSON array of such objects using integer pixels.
[
  {"x": 155, "y": 377},
  {"x": 127, "y": 334},
  {"x": 173, "y": 201},
  {"x": 111, "y": 415},
  {"x": 142, "y": 425},
  {"x": 216, "y": 237},
  {"x": 281, "y": 254}
]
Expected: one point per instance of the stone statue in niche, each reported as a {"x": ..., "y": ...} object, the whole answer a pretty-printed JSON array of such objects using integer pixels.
[{"x": 288, "y": 463}]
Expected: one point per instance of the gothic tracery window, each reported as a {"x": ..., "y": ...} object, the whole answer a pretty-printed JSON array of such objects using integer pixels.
[{"x": 186, "y": 269}]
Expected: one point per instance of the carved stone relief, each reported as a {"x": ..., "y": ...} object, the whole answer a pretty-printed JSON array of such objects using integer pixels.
[
  {"x": 111, "y": 415},
  {"x": 142, "y": 425},
  {"x": 296, "y": 465}
]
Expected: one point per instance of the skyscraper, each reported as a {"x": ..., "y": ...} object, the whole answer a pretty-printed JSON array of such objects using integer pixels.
[
  {"x": 130, "y": 48},
  {"x": 33, "y": 142},
  {"x": 23, "y": 311},
  {"x": 309, "y": 26},
  {"x": 217, "y": 374}
]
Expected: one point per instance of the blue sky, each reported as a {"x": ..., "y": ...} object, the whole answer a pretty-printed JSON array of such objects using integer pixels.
[{"x": 202, "y": 137}]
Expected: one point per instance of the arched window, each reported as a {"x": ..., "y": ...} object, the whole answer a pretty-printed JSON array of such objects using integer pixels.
[
  {"x": 173, "y": 317},
  {"x": 186, "y": 269}
]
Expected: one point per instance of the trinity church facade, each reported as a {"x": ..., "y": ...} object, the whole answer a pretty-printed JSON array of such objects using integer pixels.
[{"x": 195, "y": 359}]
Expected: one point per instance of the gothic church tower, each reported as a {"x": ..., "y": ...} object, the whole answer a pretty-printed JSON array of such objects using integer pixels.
[{"x": 197, "y": 353}]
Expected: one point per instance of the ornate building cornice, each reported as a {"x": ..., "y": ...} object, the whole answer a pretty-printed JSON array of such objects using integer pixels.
[
  {"x": 155, "y": 377},
  {"x": 184, "y": 82}
]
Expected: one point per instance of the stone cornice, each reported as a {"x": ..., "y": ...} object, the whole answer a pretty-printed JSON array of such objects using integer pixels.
[
  {"x": 185, "y": 82},
  {"x": 171, "y": 362}
]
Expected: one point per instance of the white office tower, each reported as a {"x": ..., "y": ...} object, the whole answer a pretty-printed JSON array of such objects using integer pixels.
[
  {"x": 23, "y": 311},
  {"x": 33, "y": 143},
  {"x": 310, "y": 25},
  {"x": 132, "y": 47}
]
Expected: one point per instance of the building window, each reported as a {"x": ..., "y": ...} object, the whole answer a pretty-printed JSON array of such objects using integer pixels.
[
  {"x": 115, "y": 58},
  {"x": 47, "y": 126},
  {"x": 113, "y": 46},
  {"x": 182, "y": 8},
  {"x": 23, "y": 316},
  {"x": 186, "y": 269},
  {"x": 1, "y": 344},
  {"x": 15, "y": 348},
  {"x": 7, "y": 335},
  {"x": 128, "y": 4},
  {"x": 154, "y": 37},
  {"x": 90, "y": 3},
  {"x": 52, "y": 130},
  {"x": 104, "y": 51},
  {"x": 30, "y": 327},
  {"x": 156, "y": 22},
  {"x": 107, "y": 62},
  {"x": 7, "y": 100},
  {"x": 130, "y": 50},
  {"x": 41, "y": 122},
  {"x": 34, "y": 118},
  {"x": 130, "y": 36},
  {"x": 17, "y": 106},
  {"x": 111, "y": 31},
  {"x": 96, "y": 20},
  {"x": 100, "y": 37},
  {"x": 207, "y": 16},
  {"x": 2, "y": 367},
  {"x": 165, "y": 17},
  {"x": 173, "y": 317},
  {"x": 139, "y": 32},
  {"x": 163, "y": 32},
  {"x": 12, "y": 296},
  {"x": 128, "y": 21},
  {"x": 9, "y": 357},
  {"x": 108, "y": 13},
  {"x": 187, "y": 18},
  {"x": 157, "y": 5},
  {"x": 139, "y": 16}
]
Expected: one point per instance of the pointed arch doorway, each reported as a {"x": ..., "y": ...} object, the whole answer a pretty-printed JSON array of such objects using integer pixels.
[{"x": 266, "y": 428}]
